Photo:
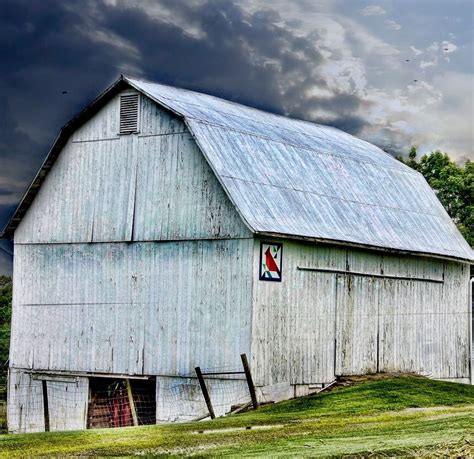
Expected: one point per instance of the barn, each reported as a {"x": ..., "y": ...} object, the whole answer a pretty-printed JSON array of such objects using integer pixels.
[{"x": 169, "y": 229}]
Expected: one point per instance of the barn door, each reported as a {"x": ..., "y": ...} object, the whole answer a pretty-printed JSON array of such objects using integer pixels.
[{"x": 357, "y": 304}]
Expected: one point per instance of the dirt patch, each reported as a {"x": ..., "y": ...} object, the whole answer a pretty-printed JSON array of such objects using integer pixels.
[{"x": 352, "y": 380}]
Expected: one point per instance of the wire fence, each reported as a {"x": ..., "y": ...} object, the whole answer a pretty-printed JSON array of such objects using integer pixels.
[{"x": 39, "y": 402}]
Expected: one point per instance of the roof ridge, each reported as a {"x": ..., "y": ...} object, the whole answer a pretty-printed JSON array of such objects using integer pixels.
[{"x": 323, "y": 127}]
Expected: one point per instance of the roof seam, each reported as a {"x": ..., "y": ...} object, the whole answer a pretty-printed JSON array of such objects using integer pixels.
[
  {"x": 330, "y": 196},
  {"x": 294, "y": 144}
]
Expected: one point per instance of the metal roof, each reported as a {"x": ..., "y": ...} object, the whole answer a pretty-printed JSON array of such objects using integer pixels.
[{"x": 294, "y": 178}]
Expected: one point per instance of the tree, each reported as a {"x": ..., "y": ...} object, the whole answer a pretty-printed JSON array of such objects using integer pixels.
[
  {"x": 5, "y": 317},
  {"x": 452, "y": 183}
]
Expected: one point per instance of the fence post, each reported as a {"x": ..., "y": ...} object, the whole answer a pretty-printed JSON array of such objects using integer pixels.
[
  {"x": 45, "y": 405},
  {"x": 131, "y": 402},
  {"x": 248, "y": 376},
  {"x": 205, "y": 393}
]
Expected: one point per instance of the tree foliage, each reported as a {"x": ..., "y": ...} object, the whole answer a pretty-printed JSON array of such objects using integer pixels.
[
  {"x": 5, "y": 317},
  {"x": 453, "y": 184}
]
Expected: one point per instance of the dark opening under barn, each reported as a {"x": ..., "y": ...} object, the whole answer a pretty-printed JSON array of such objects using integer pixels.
[{"x": 121, "y": 402}]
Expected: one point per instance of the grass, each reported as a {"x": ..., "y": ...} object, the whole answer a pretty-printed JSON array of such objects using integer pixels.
[
  {"x": 406, "y": 415},
  {"x": 3, "y": 402}
]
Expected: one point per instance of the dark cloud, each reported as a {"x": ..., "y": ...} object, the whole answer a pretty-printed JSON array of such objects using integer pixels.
[{"x": 45, "y": 50}]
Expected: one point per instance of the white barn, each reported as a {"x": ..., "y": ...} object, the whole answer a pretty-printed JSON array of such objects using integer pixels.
[{"x": 169, "y": 229}]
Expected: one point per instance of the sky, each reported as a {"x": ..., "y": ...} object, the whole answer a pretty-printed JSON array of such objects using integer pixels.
[{"x": 394, "y": 72}]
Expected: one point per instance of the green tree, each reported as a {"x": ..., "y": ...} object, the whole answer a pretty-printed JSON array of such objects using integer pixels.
[
  {"x": 453, "y": 184},
  {"x": 5, "y": 318}
]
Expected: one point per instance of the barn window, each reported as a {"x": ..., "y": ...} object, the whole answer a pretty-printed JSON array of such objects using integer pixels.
[{"x": 129, "y": 104}]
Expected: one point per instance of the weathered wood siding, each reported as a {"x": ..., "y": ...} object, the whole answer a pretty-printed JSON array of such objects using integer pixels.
[
  {"x": 106, "y": 187},
  {"x": 67, "y": 403},
  {"x": 315, "y": 325},
  {"x": 157, "y": 308},
  {"x": 139, "y": 307},
  {"x": 180, "y": 399}
]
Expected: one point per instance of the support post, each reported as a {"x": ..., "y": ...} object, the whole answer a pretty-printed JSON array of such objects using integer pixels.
[
  {"x": 45, "y": 405},
  {"x": 205, "y": 393},
  {"x": 248, "y": 376},
  {"x": 131, "y": 402}
]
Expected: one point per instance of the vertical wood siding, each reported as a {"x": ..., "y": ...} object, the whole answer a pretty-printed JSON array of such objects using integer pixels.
[
  {"x": 25, "y": 403},
  {"x": 67, "y": 403},
  {"x": 106, "y": 187},
  {"x": 315, "y": 325},
  {"x": 125, "y": 304},
  {"x": 141, "y": 308},
  {"x": 293, "y": 325},
  {"x": 180, "y": 399}
]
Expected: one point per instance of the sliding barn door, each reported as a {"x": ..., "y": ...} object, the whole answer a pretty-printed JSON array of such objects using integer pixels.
[{"x": 357, "y": 304}]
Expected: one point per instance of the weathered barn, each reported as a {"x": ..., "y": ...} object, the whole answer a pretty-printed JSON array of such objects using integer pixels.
[{"x": 169, "y": 229}]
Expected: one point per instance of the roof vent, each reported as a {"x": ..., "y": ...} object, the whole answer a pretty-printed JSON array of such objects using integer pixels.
[{"x": 129, "y": 113}]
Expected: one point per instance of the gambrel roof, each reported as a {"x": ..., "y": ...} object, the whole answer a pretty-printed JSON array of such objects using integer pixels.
[{"x": 293, "y": 178}]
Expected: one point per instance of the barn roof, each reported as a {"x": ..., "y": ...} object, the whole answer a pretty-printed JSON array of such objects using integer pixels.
[{"x": 293, "y": 178}]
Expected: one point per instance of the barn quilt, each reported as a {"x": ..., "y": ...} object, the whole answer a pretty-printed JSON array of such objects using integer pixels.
[{"x": 270, "y": 261}]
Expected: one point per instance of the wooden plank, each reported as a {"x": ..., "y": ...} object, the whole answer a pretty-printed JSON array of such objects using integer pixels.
[
  {"x": 380, "y": 276},
  {"x": 205, "y": 392},
  {"x": 131, "y": 402},
  {"x": 248, "y": 375},
  {"x": 44, "y": 384}
]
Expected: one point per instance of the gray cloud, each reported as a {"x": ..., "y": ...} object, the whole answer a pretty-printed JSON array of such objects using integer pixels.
[{"x": 372, "y": 10}]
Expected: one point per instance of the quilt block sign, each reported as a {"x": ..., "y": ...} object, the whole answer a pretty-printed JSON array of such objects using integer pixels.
[{"x": 270, "y": 261}]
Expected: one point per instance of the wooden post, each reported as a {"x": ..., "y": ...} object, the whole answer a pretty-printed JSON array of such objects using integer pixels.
[
  {"x": 131, "y": 402},
  {"x": 205, "y": 393},
  {"x": 248, "y": 375},
  {"x": 45, "y": 405}
]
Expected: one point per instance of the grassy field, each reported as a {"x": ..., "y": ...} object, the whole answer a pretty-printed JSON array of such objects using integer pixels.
[{"x": 405, "y": 415}]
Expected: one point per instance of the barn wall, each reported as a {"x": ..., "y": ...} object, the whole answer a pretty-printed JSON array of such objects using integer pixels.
[
  {"x": 106, "y": 187},
  {"x": 157, "y": 308},
  {"x": 180, "y": 399},
  {"x": 314, "y": 325},
  {"x": 67, "y": 402}
]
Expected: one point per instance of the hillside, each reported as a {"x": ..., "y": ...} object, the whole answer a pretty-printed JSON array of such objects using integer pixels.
[{"x": 404, "y": 415}]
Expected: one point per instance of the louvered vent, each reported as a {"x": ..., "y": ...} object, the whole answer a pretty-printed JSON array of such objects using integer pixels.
[{"x": 129, "y": 113}]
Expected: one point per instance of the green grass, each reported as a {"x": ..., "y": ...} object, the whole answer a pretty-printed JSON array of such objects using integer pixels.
[{"x": 396, "y": 416}]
